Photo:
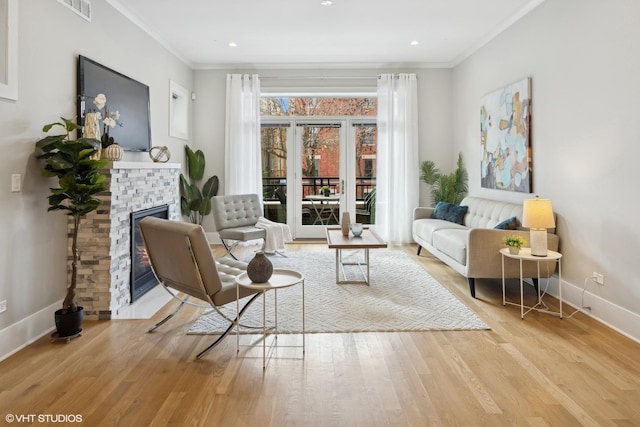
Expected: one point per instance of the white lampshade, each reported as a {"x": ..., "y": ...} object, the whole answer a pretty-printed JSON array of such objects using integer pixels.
[{"x": 537, "y": 215}]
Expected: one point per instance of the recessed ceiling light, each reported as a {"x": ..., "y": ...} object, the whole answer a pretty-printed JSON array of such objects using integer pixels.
[
  {"x": 326, "y": 2},
  {"x": 232, "y": 44},
  {"x": 414, "y": 43}
]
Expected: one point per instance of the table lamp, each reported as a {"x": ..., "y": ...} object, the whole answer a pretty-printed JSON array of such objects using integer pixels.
[{"x": 537, "y": 215}]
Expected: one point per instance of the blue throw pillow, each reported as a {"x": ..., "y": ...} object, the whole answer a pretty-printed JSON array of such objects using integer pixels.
[
  {"x": 508, "y": 224},
  {"x": 450, "y": 212}
]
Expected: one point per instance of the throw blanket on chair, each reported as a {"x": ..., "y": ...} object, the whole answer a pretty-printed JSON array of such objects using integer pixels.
[{"x": 277, "y": 234}]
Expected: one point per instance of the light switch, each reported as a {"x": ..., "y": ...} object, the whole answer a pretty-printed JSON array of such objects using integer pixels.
[{"x": 16, "y": 181}]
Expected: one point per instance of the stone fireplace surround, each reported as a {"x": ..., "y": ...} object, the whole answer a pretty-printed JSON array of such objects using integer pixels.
[{"x": 104, "y": 241}]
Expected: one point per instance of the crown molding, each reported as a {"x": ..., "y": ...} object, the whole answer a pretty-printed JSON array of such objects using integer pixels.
[{"x": 323, "y": 66}]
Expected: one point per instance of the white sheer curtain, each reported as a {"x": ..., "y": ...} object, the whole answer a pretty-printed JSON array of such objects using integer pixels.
[
  {"x": 243, "y": 158},
  {"x": 397, "y": 184}
]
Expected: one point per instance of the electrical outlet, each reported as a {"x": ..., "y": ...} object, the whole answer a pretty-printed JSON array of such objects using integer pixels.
[
  {"x": 598, "y": 278},
  {"x": 16, "y": 181},
  {"x": 3, "y": 306}
]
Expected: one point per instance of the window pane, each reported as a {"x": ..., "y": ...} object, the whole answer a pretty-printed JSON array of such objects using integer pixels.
[
  {"x": 366, "y": 156},
  {"x": 318, "y": 106},
  {"x": 320, "y": 171},
  {"x": 274, "y": 172}
]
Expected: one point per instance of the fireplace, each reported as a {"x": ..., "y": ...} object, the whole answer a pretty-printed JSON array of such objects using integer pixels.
[
  {"x": 142, "y": 277},
  {"x": 104, "y": 271}
]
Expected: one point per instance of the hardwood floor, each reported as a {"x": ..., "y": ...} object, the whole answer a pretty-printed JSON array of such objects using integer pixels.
[{"x": 540, "y": 371}]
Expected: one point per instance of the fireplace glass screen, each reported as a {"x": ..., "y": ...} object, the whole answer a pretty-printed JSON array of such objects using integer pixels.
[{"x": 142, "y": 277}]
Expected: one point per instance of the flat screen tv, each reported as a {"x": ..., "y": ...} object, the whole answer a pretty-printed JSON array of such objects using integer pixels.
[{"x": 124, "y": 94}]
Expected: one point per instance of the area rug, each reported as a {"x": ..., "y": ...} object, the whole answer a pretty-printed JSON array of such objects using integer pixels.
[{"x": 402, "y": 297}]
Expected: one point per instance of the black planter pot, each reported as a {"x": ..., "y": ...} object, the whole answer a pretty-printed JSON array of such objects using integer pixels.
[{"x": 69, "y": 323}]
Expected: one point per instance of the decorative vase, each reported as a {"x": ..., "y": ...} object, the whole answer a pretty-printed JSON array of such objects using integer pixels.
[
  {"x": 346, "y": 221},
  {"x": 356, "y": 229},
  {"x": 514, "y": 250},
  {"x": 113, "y": 152},
  {"x": 260, "y": 268},
  {"x": 92, "y": 130}
]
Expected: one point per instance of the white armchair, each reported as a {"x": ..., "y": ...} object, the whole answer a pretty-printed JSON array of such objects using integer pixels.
[{"x": 235, "y": 217}]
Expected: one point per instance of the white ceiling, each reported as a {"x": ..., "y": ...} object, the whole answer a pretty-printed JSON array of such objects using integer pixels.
[{"x": 302, "y": 33}]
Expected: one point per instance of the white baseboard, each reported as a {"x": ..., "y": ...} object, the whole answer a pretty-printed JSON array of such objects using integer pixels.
[
  {"x": 19, "y": 335},
  {"x": 617, "y": 318}
]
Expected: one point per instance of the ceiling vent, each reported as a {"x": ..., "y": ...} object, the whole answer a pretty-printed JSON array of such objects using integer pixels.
[{"x": 81, "y": 7}]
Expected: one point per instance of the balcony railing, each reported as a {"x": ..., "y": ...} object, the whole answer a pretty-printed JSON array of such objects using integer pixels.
[
  {"x": 312, "y": 185},
  {"x": 276, "y": 211}
]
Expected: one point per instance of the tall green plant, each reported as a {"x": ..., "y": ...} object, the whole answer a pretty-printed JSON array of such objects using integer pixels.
[
  {"x": 79, "y": 180},
  {"x": 451, "y": 188},
  {"x": 196, "y": 204}
]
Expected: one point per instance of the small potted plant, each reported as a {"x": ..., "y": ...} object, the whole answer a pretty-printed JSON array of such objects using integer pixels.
[
  {"x": 514, "y": 243},
  {"x": 325, "y": 190}
]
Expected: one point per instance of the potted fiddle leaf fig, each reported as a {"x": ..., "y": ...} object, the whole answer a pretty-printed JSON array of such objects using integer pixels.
[
  {"x": 73, "y": 163},
  {"x": 196, "y": 203}
]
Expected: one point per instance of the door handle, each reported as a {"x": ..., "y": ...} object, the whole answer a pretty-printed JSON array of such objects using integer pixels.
[{"x": 342, "y": 187}]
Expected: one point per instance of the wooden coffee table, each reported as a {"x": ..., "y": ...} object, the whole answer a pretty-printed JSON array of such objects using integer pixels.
[{"x": 368, "y": 240}]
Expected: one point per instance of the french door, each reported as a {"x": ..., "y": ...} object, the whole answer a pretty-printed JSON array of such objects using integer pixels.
[
  {"x": 319, "y": 177},
  {"x": 316, "y": 169}
]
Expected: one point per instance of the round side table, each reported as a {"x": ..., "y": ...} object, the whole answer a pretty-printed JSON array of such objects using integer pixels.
[
  {"x": 281, "y": 278},
  {"x": 525, "y": 255}
]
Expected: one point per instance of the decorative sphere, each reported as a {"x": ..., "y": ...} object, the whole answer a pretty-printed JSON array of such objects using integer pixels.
[
  {"x": 113, "y": 152},
  {"x": 160, "y": 154}
]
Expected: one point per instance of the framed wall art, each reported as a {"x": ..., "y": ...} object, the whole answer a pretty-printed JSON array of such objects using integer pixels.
[
  {"x": 505, "y": 138},
  {"x": 9, "y": 49},
  {"x": 178, "y": 111}
]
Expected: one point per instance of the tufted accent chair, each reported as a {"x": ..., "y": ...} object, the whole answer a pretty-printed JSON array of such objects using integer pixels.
[{"x": 235, "y": 217}]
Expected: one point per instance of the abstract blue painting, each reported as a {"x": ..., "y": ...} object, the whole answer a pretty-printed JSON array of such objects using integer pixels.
[{"x": 505, "y": 138}]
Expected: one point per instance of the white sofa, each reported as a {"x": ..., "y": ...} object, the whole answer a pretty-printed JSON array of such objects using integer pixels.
[{"x": 472, "y": 249}]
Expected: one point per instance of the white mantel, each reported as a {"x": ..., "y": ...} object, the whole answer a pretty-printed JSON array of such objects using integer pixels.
[{"x": 143, "y": 165}]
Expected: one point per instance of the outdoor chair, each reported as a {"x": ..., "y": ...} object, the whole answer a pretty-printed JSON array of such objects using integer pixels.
[
  {"x": 181, "y": 259},
  {"x": 367, "y": 215},
  {"x": 282, "y": 198}
]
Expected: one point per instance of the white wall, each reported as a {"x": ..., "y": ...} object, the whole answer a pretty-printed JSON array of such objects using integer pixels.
[
  {"x": 32, "y": 241},
  {"x": 584, "y": 62}
]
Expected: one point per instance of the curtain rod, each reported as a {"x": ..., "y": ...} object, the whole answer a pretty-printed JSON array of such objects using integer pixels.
[
  {"x": 317, "y": 77},
  {"x": 322, "y": 77}
]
